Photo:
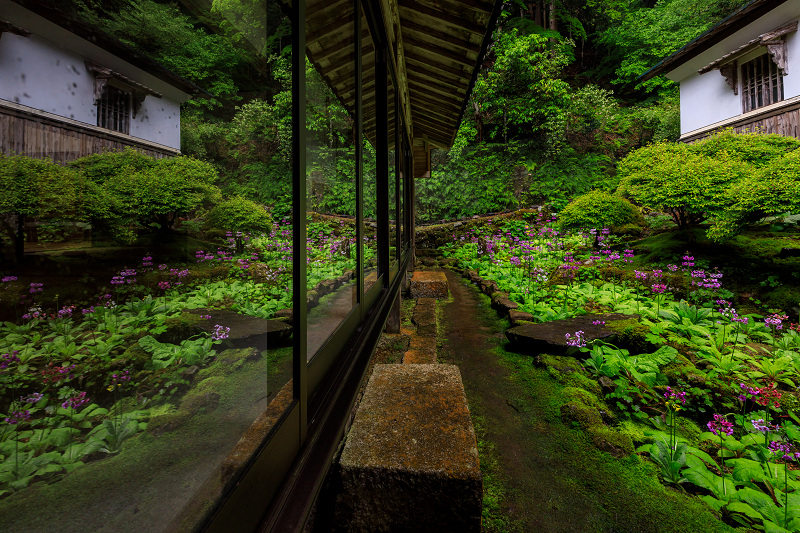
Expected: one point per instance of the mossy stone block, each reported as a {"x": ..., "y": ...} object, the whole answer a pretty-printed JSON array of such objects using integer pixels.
[{"x": 410, "y": 460}]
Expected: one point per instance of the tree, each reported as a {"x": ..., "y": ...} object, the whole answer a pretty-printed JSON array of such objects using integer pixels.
[
  {"x": 239, "y": 215},
  {"x": 676, "y": 178},
  {"x": 32, "y": 188}
]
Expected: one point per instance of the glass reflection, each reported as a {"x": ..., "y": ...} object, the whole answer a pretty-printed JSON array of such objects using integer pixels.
[
  {"x": 330, "y": 172},
  {"x": 369, "y": 158},
  {"x": 392, "y": 137},
  {"x": 146, "y": 299}
]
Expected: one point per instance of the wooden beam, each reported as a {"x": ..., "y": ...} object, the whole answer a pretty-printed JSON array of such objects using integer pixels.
[
  {"x": 338, "y": 25},
  {"x": 429, "y": 84},
  {"x": 433, "y": 68},
  {"x": 413, "y": 42},
  {"x": 443, "y": 105},
  {"x": 409, "y": 8},
  {"x": 445, "y": 37}
]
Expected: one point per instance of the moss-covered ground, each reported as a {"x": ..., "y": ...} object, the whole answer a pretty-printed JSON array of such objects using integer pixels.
[{"x": 540, "y": 472}]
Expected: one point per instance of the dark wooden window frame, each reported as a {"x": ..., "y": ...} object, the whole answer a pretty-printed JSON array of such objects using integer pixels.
[
  {"x": 762, "y": 83},
  {"x": 114, "y": 109}
]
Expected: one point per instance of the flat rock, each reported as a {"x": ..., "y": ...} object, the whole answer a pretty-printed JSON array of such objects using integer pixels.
[
  {"x": 550, "y": 337},
  {"x": 246, "y": 331},
  {"x": 515, "y": 316},
  {"x": 410, "y": 460},
  {"x": 429, "y": 285},
  {"x": 424, "y": 317}
]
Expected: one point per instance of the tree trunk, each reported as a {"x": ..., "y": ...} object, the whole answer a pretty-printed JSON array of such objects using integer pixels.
[{"x": 553, "y": 25}]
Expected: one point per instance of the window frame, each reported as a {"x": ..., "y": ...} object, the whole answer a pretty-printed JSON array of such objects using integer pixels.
[{"x": 755, "y": 85}]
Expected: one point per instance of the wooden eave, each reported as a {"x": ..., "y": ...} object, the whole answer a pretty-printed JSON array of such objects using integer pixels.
[
  {"x": 438, "y": 46},
  {"x": 727, "y": 27}
]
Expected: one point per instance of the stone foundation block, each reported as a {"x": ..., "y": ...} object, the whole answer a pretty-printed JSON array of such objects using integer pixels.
[
  {"x": 410, "y": 461},
  {"x": 429, "y": 285}
]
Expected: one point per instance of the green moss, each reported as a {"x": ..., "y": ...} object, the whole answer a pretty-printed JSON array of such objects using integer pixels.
[
  {"x": 569, "y": 372},
  {"x": 585, "y": 416},
  {"x": 678, "y": 369},
  {"x": 687, "y": 428},
  {"x": 609, "y": 440},
  {"x": 635, "y": 431},
  {"x": 181, "y": 327}
]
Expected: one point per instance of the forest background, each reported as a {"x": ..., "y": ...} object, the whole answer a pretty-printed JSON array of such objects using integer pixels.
[{"x": 557, "y": 104}]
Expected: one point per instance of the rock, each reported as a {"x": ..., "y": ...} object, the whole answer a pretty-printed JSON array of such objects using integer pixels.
[
  {"x": 312, "y": 299},
  {"x": 515, "y": 316},
  {"x": 786, "y": 253},
  {"x": 429, "y": 285},
  {"x": 502, "y": 303},
  {"x": 448, "y": 261},
  {"x": 424, "y": 317},
  {"x": 286, "y": 314},
  {"x": 410, "y": 460},
  {"x": 550, "y": 337}
]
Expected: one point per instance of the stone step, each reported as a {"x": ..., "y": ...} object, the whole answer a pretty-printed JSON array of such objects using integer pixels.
[
  {"x": 410, "y": 460},
  {"x": 424, "y": 317},
  {"x": 429, "y": 284},
  {"x": 422, "y": 350}
]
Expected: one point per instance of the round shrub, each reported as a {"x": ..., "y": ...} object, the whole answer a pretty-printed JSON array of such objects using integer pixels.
[
  {"x": 599, "y": 209},
  {"x": 239, "y": 214}
]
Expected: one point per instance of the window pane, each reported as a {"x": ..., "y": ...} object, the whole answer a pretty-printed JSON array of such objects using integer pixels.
[
  {"x": 392, "y": 136},
  {"x": 141, "y": 361},
  {"x": 330, "y": 170},
  {"x": 369, "y": 191}
]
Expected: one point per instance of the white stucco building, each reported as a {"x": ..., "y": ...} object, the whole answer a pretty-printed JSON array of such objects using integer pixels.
[
  {"x": 67, "y": 90},
  {"x": 743, "y": 74}
]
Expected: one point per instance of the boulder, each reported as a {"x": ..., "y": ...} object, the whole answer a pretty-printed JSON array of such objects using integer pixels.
[{"x": 550, "y": 337}]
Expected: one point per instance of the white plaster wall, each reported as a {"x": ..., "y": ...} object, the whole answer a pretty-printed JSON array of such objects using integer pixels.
[
  {"x": 35, "y": 74},
  {"x": 706, "y": 99},
  {"x": 158, "y": 120},
  {"x": 46, "y": 71},
  {"x": 791, "y": 82}
]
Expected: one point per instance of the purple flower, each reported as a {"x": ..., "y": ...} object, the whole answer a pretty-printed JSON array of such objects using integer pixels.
[
  {"x": 688, "y": 261},
  {"x": 163, "y": 285},
  {"x": 33, "y": 398},
  {"x": 578, "y": 340},
  {"x": 675, "y": 395},
  {"x": 76, "y": 401},
  {"x": 8, "y": 358},
  {"x": 720, "y": 425},
  {"x": 775, "y": 320},
  {"x": 18, "y": 417},
  {"x": 658, "y": 288},
  {"x": 9, "y": 278},
  {"x": 783, "y": 449},
  {"x": 36, "y": 287},
  {"x": 220, "y": 333},
  {"x": 599, "y": 322},
  {"x": 763, "y": 426}
]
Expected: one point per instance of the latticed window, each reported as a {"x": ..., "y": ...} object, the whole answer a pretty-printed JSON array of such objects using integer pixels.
[
  {"x": 762, "y": 83},
  {"x": 114, "y": 109}
]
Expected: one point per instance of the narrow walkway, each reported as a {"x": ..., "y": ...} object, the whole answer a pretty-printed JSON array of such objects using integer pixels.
[{"x": 554, "y": 479}]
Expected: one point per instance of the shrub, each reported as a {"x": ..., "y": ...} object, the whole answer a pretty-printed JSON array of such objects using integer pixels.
[
  {"x": 754, "y": 148},
  {"x": 772, "y": 190},
  {"x": 598, "y": 209},
  {"x": 104, "y": 166},
  {"x": 680, "y": 180},
  {"x": 239, "y": 214}
]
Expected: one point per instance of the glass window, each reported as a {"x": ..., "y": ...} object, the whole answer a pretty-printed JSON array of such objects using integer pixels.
[
  {"x": 330, "y": 171},
  {"x": 369, "y": 158},
  {"x": 392, "y": 161},
  {"x": 145, "y": 324}
]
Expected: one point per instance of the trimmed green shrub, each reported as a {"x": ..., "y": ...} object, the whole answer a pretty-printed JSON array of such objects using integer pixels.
[
  {"x": 680, "y": 180},
  {"x": 238, "y": 214},
  {"x": 770, "y": 191},
  {"x": 599, "y": 209},
  {"x": 754, "y": 148},
  {"x": 102, "y": 167}
]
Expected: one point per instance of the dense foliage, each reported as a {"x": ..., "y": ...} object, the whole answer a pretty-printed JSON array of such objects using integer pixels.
[{"x": 599, "y": 208}]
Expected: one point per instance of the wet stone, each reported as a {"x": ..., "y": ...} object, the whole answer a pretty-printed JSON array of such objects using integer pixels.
[
  {"x": 429, "y": 285},
  {"x": 550, "y": 337},
  {"x": 410, "y": 460},
  {"x": 515, "y": 316}
]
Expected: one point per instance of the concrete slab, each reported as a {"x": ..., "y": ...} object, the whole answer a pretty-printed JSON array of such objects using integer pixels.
[
  {"x": 410, "y": 461},
  {"x": 426, "y": 284}
]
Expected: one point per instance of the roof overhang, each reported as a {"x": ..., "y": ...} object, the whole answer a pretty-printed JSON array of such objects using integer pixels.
[
  {"x": 438, "y": 48},
  {"x": 726, "y": 28}
]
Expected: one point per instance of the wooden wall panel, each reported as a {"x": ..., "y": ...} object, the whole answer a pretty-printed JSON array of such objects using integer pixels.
[{"x": 45, "y": 138}]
